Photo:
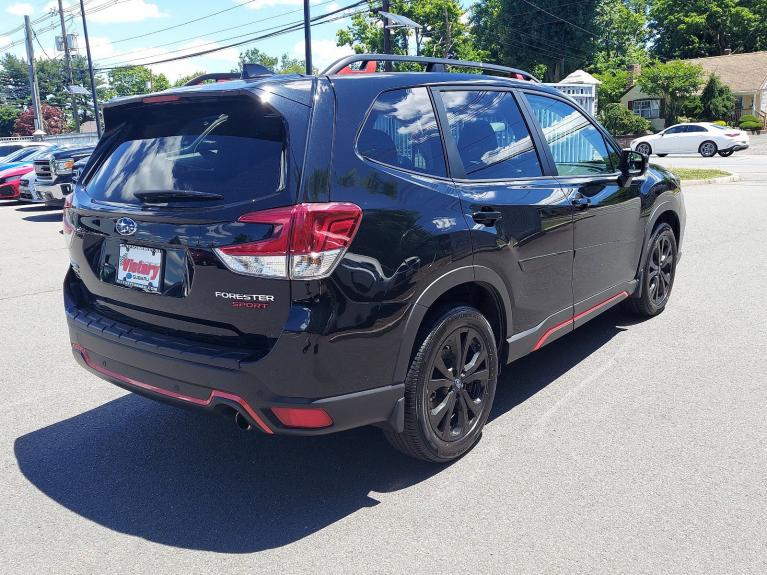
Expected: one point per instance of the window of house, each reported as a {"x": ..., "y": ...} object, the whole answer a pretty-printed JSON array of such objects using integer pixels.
[
  {"x": 578, "y": 147},
  {"x": 491, "y": 135},
  {"x": 401, "y": 131},
  {"x": 649, "y": 109}
]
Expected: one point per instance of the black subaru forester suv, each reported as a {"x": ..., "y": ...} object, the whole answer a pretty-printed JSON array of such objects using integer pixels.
[{"x": 310, "y": 254}]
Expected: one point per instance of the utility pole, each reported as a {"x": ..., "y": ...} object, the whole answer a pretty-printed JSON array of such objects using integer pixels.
[
  {"x": 90, "y": 70},
  {"x": 307, "y": 39},
  {"x": 33, "y": 77},
  {"x": 68, "y": 63},
  {"x": 386, "y": 35}
]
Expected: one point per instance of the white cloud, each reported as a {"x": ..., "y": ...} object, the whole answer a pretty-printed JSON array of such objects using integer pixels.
[
  {"x": 20, "y": 9},
  {"x": 332, "y": 6},
  {"x": 101, "y": 47},
  {"x": 324, "y": 52},
  {"x": 128, "y": 11},
  {"x": 4, "y": 41}
]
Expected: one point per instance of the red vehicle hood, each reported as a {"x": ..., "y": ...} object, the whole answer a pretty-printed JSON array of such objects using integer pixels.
[{"x": 17, "y": 171}]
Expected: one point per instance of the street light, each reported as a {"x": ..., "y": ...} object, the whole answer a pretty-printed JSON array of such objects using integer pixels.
[{"x": 398, "y": 21}]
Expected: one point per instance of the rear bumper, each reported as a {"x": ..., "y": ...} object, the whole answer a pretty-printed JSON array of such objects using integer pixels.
[
  {"x": 735, "y": 148},
  {"x": 190, "y": 378}
]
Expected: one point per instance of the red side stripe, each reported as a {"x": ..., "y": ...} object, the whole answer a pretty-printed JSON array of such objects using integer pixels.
[
  {"x": 195, "y": 400},
  {"x": 573, "y": 319}
]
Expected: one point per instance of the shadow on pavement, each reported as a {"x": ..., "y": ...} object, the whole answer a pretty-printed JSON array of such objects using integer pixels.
[
  {"x": 34, "y": 208},
  {"x": 189, "y": 480},
  {"x": 44, "y": 217}
]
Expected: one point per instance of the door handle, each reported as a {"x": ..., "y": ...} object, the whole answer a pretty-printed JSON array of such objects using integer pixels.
[
  {"x": 486, "y": 217},
  {"x": 581, "y": 202}
]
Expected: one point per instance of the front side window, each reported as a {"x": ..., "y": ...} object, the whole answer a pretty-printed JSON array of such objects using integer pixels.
[
  {"x": 577, "y": 146},
  {"x": 492, "y": 137},
  {"x": 401, "y": 131}
]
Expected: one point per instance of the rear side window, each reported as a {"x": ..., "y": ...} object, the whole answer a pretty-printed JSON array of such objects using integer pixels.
[
  {"x": 695, "y": 129},
  {"x": 492, "y": 138},
  {"x": 401, "y": 131},
  {"x": 578, "y": 147},
  {"x": 230, "y": 147}
]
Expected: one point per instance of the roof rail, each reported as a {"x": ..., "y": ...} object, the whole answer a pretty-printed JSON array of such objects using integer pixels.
[{"x": 432, "y": 64}]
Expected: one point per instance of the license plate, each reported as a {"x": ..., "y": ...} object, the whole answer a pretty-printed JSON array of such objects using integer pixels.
[{"x": 140, "y": 267}]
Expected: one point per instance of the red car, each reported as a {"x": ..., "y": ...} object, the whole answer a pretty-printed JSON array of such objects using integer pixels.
[{"x": 9, "y": 180}]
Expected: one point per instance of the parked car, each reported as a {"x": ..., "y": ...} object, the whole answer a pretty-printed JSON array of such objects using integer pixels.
[
  {"x": 25, "y": 155},
  {"x": 54, "y": 173},
  {"x": 7, "y": 148},
  {"x": 28, "y": 191},
  {"x": 701, "y": 138},
  {"x": 245, "y": 248},
  {"x": 55, "y": 195},
  {"x": 19, "y": 163}
]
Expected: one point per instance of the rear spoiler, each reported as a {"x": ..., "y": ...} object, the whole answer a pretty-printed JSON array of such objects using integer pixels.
[{"x": 249, "y": 71}]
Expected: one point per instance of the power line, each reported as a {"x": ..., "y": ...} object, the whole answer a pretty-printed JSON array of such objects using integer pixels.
[
  {"x": 179, "y": 41},
  {"x": 316, "y": 20},
  {"x": 560, "y": 19},
  {"x": 239, "y": 5}
]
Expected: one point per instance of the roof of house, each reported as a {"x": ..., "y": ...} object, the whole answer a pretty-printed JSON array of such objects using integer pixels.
[{"x": 741, "y": 72}]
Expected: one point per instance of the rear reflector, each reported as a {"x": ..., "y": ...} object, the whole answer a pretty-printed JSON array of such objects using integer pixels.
[
  {"x": 306, "y": 241},
  {"x": 304, "y": 418}
]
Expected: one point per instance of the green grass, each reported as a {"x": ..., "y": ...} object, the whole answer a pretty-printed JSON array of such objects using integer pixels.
[{"x": 698, "y": 174}]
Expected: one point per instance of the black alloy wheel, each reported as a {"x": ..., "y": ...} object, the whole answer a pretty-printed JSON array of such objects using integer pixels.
[
  {"x": 450, "y": 386},
  {"x": 658, "y": 274},
  {"x": 457, "y": 385},
  {"x": 661, "y": 271}
]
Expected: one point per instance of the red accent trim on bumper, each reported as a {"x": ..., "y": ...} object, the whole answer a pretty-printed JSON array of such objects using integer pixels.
[
  {"x": 573, "y": 319},
  {"x": 195, "y": 400}
]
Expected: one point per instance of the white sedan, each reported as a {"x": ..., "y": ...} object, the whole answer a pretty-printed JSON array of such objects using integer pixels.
[{"x": 703, "y": 138}]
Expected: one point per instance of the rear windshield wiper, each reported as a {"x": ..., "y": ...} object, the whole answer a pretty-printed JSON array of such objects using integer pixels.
[{"x": 163, "y": 196}]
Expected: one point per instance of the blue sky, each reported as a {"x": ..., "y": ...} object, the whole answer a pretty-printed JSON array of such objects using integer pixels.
[{"x": 113, "y": 24}]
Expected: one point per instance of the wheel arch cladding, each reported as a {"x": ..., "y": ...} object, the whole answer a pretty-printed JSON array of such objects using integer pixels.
[
  {"x": 671, "y": 218},
  {"x": 475, "y": 286}
]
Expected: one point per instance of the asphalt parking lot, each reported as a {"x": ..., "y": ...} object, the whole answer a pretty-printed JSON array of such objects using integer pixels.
[{"x": 625, "y": 447}]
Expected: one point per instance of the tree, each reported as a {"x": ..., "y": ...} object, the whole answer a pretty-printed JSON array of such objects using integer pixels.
[
  {"x": 136, "y": 80},
  {"x": 8, "y": 116},
  {"x": 184, "y": 79},
  {"x": 560, "y": 34},
  {"x": 282, "y": 65},
  {"x": 53, "y": 121},
  {"x": 14, "y": 81},
  {"x": 613, "y": 86},
  {"x": 445, "y": 33},
  {"x": 717, "y": 100},
  {"x": 619, "y": 120},
  {"x": 622, "y": 29},
  {"x": 697, "y": 28},
  {"x": 673, "y": 81}
]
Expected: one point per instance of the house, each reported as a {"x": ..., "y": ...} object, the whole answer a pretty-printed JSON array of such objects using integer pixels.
[{"x": 745, "y": 74}]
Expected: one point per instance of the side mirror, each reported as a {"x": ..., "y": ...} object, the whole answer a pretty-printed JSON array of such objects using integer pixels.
[{"x": 632, "y": 165}]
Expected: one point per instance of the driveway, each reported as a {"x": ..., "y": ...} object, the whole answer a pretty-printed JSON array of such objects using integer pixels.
[{"x": 625, "y": 447}]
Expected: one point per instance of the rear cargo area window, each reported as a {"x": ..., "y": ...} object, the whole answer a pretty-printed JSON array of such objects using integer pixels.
[{"x": 232, "y": 149}]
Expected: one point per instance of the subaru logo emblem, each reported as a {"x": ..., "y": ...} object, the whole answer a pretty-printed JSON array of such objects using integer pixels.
[{"x": 126, "y": 227}]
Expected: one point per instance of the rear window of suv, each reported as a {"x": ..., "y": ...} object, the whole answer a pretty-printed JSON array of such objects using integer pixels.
[{"x": 233, "y": 148}]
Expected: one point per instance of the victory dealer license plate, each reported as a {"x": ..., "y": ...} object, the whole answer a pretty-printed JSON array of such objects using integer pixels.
[{"x": 140, "y": 267}]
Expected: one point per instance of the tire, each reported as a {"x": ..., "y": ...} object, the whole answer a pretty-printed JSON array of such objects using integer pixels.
[
  {"x": 442, "y": 436},
  {"x": 707, "y": 149},
  {"x": 661, "y": 155},
  {"x": 644, "y": 148},
  {"x": 656, "y": 287},
  {"x": 725, "y": 153}
]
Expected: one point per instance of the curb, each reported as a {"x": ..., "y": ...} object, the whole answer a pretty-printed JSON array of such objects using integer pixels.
[{"x": 719, "y": 180}]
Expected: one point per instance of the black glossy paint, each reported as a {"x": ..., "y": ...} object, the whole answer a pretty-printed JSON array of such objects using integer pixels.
[{"x": 542, "y": 261}]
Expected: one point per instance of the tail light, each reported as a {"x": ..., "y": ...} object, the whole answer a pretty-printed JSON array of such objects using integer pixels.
[
  {"x": 732, "y": 134},
  {"x": 66, "y": 217},
  {"x": 306, "y": 241}
]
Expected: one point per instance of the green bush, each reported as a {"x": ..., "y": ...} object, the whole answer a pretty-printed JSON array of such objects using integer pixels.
[
  {"x": 719, "y": 122},
  {"x": 750, "y": 122},
  {"x": 621, "y": 121}
]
